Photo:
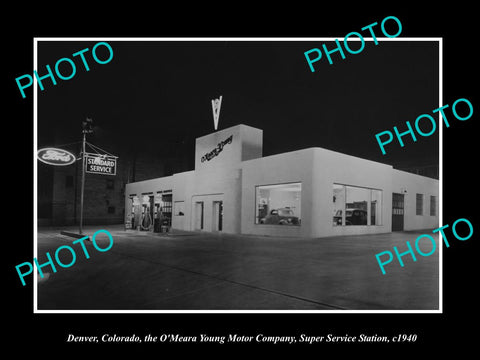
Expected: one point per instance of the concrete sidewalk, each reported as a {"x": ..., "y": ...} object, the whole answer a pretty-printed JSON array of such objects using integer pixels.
[{"x": 204, "y": 271}]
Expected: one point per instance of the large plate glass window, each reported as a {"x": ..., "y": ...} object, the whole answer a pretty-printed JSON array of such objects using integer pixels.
[
  {"x": 278, "y": 204},
  {"x": 354, "y": 205}
]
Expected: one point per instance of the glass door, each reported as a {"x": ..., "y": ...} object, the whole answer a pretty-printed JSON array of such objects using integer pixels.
[
  {"x": 199, "y": 215},
  {"x": 217, "y": 216}
]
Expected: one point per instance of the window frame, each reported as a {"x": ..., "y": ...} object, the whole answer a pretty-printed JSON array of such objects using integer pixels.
[
  {"x": 256, "y": 219},
  {"x": 108, "y": 182},
  {"x": 419, "y": 209},
  {"x": 378, "y": 216},
  {"x": 69, "y": 181},
  {"x": 433, "y": 209}
]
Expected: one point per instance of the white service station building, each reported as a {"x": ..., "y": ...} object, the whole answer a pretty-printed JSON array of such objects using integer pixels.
[{"x": 312, "y": 192}]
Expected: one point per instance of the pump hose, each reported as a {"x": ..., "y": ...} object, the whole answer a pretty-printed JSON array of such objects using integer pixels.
[{"x": 149, "y": 221}]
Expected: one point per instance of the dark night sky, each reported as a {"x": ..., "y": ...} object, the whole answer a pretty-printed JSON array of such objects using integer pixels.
[{"x": 155, "y": 94}]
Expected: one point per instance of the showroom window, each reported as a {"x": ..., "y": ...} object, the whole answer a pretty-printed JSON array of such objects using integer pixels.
[
  {"x": 179, "y": 208},
  {"x": 433, "y": 205},
  {"x": 338, "y": 204},
  {"x": 353, "y": 205},
  {"x": 419, "y": 204},
  {"x": 278, "y": 204}
]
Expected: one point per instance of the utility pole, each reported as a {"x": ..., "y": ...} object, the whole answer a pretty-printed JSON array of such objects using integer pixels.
[
  {"x": 87, "y": 128},
  {"x": 75, "y": 194}
]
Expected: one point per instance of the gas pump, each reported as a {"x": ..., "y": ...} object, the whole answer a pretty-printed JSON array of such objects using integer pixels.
[
  {"x": 159, "y": 219},
  {"x": 130, "y": 219},
  {"x": 137, "y": 213},
  {"x": 132, "y": 215},
  {"x": 146, "y": 223},
  {"x": 157, "y": 213}
]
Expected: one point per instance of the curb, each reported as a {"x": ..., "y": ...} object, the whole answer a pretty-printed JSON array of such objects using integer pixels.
[{"x": 75, "y": 235}]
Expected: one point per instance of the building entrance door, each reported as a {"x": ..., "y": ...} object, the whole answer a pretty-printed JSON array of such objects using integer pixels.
[
  {"x": 397, "y": 212},
  {"x": 217, "y": 216},
  {"x": 207, "y": 212},
  {"x": 199, "y": 215}
]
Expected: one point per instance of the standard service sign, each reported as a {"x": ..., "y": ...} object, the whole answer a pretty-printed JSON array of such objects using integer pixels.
[
  {"x": 100, "y": 164},
  {"x": 54, "y": 156}
]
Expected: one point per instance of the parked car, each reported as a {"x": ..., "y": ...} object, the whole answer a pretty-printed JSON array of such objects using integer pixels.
[
  {"x": 353, "y": 216},
  {"x": 282, "y": 216}
]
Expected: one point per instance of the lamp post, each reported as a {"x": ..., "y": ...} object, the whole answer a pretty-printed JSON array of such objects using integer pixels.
[{"x": 87, "y": 128}]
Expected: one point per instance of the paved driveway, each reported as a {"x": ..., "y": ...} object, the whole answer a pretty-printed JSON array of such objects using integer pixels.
[{"x": 193, "y": 271}]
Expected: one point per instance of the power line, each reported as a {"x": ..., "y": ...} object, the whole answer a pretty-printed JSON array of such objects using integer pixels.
[{"x": 96, "y": 148}]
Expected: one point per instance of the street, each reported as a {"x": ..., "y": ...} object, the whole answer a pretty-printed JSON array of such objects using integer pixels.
[{"x": 205, "y": 271}]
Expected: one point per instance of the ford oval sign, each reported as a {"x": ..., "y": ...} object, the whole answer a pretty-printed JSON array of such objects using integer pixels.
[{"x": 53, "y": 156}]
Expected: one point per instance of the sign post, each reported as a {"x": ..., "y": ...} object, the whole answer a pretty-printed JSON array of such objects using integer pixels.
[
  {"x": 86, "y": 128},
  {"x": 103, "y": 164}
]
